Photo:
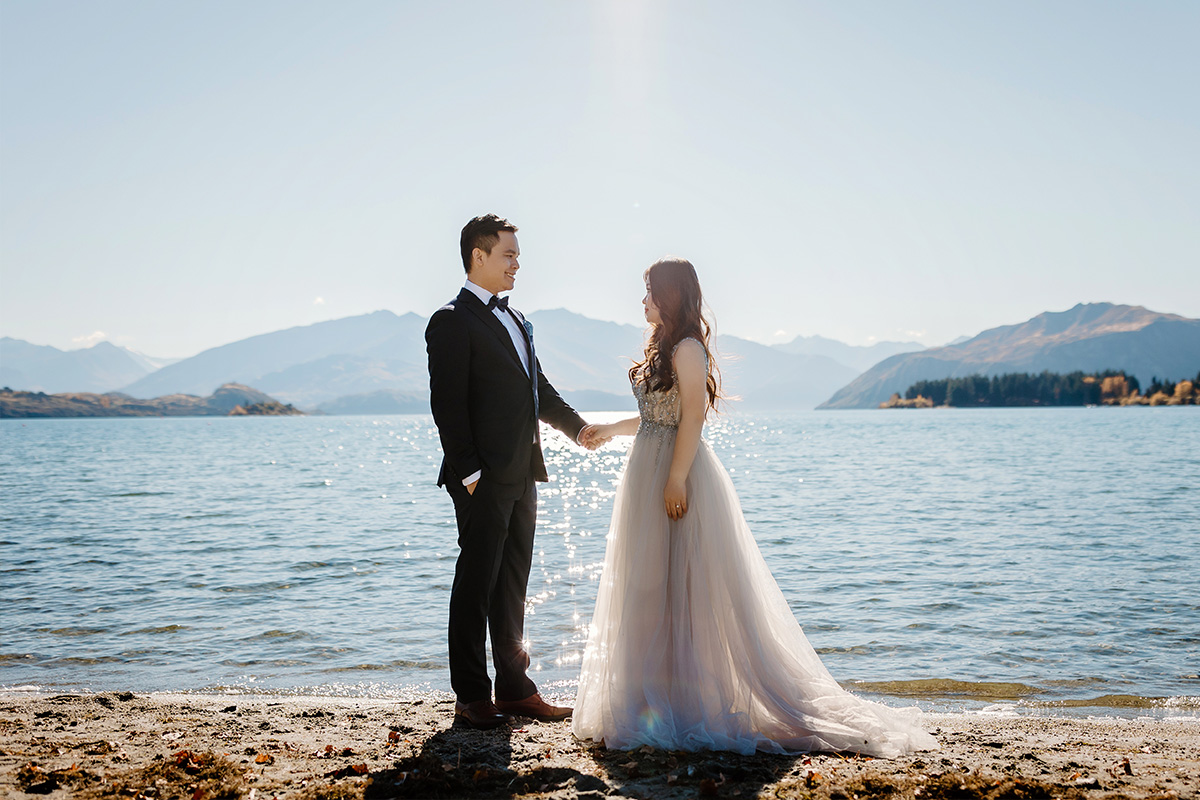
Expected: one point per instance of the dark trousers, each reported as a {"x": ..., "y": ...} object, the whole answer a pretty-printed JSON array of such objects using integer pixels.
[{"x": 495, "y": 539}]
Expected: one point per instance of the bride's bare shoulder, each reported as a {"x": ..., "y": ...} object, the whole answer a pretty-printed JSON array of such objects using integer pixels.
[
  {"x": 689, "y": 349},
  {"x": 689, "y": 357}
]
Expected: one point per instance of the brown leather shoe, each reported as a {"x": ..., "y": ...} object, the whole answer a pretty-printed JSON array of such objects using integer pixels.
[
  {"x": 534, "y": 706},
  {"x": 481, "y": 714}
]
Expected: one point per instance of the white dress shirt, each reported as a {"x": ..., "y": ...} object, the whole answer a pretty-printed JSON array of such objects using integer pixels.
[
  {"x": 510, "y": 323},
  {"x": 518, "y": 339}
]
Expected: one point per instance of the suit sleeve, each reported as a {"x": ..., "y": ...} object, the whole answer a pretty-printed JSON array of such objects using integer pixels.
[
  {"x": 554, "y": 410},
  {"x": 449, "y": 348}
]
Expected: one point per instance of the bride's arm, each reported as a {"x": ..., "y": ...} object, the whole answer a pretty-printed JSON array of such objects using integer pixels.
[
  {"x": 691, "y": 375},
  {"x": 626, "y": 427}
]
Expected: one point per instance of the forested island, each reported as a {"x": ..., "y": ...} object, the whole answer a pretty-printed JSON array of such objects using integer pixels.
[
  {"x": 230, "y": 400},
  {"x": 1021, "y": 389}
]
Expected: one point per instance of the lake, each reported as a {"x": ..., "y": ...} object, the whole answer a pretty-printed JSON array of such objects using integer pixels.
[{"x": 1040, "y": 560}]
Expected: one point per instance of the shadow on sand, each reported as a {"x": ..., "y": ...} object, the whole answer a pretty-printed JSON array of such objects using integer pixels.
[{"x": 462, "y": 762}]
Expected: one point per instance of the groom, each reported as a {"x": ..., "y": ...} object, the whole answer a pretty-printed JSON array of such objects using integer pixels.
[{"x": 487, "y": 392}]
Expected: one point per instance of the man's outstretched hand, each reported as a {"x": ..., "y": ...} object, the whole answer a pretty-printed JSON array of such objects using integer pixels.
[{"x": 593, "y": 436}]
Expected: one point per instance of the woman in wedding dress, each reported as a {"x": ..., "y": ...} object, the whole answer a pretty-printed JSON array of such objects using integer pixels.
[{"x": 692, "y": 645}]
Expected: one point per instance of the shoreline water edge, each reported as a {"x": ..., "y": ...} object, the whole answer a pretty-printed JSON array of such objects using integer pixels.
[
  {"x": 235, "y": 745},
  {"x": 931, "y": 695}
]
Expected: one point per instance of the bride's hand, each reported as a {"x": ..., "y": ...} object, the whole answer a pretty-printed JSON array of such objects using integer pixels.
[
  {"x": 593, "y": 436},
  {"x": 587, "y": 437},
  {"x": 675, "y": 498}
]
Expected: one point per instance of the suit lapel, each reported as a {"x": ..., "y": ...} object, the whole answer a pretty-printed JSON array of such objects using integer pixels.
[
  {"x": 476, "y": 306},
  {"x": 527, "y": 332},
  {"x": 527, "y": 335},
  {"x": 521, "y": 323}
]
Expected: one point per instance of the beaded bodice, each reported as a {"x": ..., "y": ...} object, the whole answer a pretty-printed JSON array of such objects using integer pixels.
[{"x": 658, "y": 409}]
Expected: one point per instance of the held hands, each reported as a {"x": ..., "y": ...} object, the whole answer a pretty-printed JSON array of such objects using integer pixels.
[
  {"x": 675, "y": 498},
  {"x": 593, "y": 436}
]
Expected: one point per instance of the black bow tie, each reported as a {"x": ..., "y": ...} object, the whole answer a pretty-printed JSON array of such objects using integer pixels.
[{"x": 498, "y": 302}]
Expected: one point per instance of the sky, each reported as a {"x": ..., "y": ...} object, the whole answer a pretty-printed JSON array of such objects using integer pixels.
[{"x": 177, "y": 176}]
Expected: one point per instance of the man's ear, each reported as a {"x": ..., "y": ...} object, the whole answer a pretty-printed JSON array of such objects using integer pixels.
[{"x": 477, "y": 257}]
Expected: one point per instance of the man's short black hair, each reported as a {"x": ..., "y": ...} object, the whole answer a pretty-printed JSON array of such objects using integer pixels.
[{"x": 482, "y": 232}]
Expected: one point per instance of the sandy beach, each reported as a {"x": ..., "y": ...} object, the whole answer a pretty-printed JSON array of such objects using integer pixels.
[{"x": 258, "y": 747}]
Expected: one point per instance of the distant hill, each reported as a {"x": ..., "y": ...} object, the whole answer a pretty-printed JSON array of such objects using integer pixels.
[
  {"x": 316, "y": 383},
  {"x": 764, "y": 378},
  {"x": 305, "y": 365},
  {"x": 578, "y": 353},
  {"x": 383, "y": 401},
  {"x": 229, "y": 400},
  {"x": 858, "y": 357},
  {"x": 1089, "y": 338},
  {"x": 41, "y": 368}
]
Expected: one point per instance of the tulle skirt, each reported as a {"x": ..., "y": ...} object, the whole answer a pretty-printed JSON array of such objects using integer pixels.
[{"x": 692, "y": 645}]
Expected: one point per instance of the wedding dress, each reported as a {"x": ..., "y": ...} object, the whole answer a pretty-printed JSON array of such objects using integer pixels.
[{"x": 692, "y": 645}]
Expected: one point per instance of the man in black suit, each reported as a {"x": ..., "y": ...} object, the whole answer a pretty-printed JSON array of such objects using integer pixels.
[{"x": 487, "y": 392}]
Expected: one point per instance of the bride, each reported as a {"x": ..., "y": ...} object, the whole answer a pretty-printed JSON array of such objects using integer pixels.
[{"x": 692, "y": 645}]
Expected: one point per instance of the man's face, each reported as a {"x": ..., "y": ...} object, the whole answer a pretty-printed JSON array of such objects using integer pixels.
[{"x": 496, "y": 271}]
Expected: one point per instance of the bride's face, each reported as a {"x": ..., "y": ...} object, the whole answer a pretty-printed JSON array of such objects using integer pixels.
[{"x": 652, "y": 315}]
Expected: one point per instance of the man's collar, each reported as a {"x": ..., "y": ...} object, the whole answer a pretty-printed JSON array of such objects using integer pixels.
[{"x": 483, "y": 294}]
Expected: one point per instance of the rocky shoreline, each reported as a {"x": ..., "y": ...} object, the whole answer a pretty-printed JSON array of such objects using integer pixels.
[{"x": 242, "y": 746}]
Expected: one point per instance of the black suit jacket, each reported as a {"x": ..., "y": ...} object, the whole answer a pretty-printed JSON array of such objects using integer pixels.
[{"x": 486, "y": 408}]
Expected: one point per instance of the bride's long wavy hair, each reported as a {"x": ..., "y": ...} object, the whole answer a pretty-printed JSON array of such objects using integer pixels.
[{"x": 675, "y": 291}]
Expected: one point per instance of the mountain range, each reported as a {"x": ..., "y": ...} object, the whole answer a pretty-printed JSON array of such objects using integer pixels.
[
  {"x": 100, "y": 368},
  {"x": 1089, "y": 337},
  {"x": 375, "y": 363},
  {"x": 306, "y": 365}
]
